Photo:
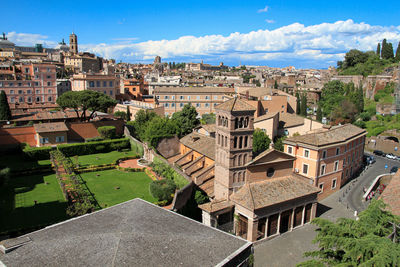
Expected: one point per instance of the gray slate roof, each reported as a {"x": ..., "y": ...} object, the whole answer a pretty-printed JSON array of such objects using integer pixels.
[{"x": 133, "y": 233}]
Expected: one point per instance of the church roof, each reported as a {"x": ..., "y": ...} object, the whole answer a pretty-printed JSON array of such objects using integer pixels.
[
  {"x": 269, "y": 156},
  {"x": 203, "y": 144},
  {"x": 258, "y": 195},
  {"x": 235, "y": 104}
]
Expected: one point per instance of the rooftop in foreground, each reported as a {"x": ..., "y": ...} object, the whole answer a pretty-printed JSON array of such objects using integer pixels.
[{"x": 133, "y": 233}]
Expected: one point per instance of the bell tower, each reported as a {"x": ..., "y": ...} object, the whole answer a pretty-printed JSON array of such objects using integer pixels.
[
  {"x": 73, "y": 43},
  {"x": 233, "y": 145}
]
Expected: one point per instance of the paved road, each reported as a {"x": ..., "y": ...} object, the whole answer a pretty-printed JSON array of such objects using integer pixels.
[{"x": 288, "y": 249}]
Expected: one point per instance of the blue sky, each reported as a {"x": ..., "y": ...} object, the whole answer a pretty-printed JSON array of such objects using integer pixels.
[{"x": 274, "y": 33}]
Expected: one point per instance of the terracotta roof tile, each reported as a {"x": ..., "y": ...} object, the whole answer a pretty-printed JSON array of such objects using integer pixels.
[
  {"x": 267, "y": 116},
  {"x": 257, "y": 195},
  {"x": 235, "y": 104},
  {"x": 287, "y": 120},
  {"x": 203, "y": 144},
  {"x": 336, "y": 134},
  {"x": 50, "y": 127},
  {"x": 216, "y": 205}
]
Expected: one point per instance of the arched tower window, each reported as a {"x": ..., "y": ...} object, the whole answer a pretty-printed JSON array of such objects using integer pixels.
[
  {"x": 240, "y": 141},
  {"x": 235, "y": 142},
  {"x": 239, "y": 160},
  {"x": 236, "y": 123},
  {"x": 244, "y": 159},
  {"x": 226, "y": 141},
  {"x": 245, "y": 141}
]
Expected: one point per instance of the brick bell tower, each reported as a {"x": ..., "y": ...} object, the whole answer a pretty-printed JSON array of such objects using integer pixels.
[
  {"x": 73, "y": 43},
  {"x": 233, "y": 145}
]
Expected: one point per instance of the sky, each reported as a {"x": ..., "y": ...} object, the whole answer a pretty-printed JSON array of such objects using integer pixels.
[{"x": 304, "y": 34}]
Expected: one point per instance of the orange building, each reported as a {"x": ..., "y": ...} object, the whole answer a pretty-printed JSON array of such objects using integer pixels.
[
  {"x": 135, "y": 88},
  {"x": 328, "y": 158}
]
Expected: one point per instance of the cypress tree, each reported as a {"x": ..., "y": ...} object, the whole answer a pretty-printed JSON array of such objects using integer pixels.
[
  {"x": 297, "y": 103},
  {"x": 5, "y": 112},
  {"x": 387, "y": 50},
  {"x": 128, "y": 114},
  {"x": 319, "y": 113},
  {"x": 303, "y": 105},
  {"x": 378, "y": 50},
  {"x": 397, "y": 58},
  {"x": 276, "y": 85},
  {"x": 383, "y": 48}
]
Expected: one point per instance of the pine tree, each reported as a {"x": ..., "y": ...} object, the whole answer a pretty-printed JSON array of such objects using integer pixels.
[
  {"x": 5, "y": 112},
  {"x": 319, "y": 113},
  {"x": 378, "y": 50},
  {"x": 128, "y": 114},
  {"x": 397, "y": 57}
]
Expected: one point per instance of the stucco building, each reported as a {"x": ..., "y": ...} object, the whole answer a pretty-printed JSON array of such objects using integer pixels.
[
  {"x": 329, "y": 158},
  {"x": 106, "y": 84}
]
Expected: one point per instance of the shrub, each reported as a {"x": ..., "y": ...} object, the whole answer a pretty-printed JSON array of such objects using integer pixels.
[
  {"x": 107, "y": 132},
  {"x": 4, "y": 176},
  {"x": 92, "y": 147},
  {"x": 162, "y": 189},
  {"x": 94, "y": 139},
  {"x": 38, "y": 153}
]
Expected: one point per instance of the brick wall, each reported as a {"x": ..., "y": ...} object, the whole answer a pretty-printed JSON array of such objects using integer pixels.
[{"x": 17, "y": 135}]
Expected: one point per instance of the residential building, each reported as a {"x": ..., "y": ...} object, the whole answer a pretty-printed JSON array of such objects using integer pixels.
[
  {"x": 28, "y": 83},
  {"x": 63, "y": 85},
  {"x": 83, "y": 62},
  {"x": 106, "y": 84},
  {"x": 204, "y": 99},
  {"x": 49, "y": 134},
  {"x": 329, "y": 157},
  {"x": 134, "y": 88}
]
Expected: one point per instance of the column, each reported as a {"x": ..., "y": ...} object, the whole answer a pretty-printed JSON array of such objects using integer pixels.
[
  {"x": 313, "y": 210},
  {"x": 206, "y": 217},
  {"x": 303, "y": 215},
  {"x": 252, "y": 229},
  {"x": 278, "y": 227},
  {"x": 266, "y": 227},
  {"x": 292, "y": 220}
]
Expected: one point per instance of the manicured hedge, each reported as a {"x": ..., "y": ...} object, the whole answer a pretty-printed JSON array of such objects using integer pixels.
[
  {"x": 107, "y": 132},
  {"x": 38, "y": 153},
  {"x": 70, "y": 150}
]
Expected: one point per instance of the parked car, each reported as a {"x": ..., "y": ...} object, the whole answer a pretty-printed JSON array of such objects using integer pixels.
[
  {"x": 394, "y": 169},
  {"x": 390, "y": 156},
  {"x": 371, "y": 159},
  {"x": 378, "y": 153},
  {"x": 398, "y": 157}
]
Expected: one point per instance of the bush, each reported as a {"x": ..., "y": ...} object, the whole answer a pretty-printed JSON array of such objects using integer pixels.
[
  {"x": 38, "y": 153},
  {"x": 4, "y": 176},
  {"x": 163, "y": 189},
  {"x": 107, "y": 132},
  {"x": 94, "y": 147},
  {"x": 94, "y": 139}
]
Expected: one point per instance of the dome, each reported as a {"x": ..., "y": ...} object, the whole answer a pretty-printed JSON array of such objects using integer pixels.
[{"x": 4, "y": 43}]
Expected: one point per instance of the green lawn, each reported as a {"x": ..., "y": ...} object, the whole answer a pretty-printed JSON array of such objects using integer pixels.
[
  {"x": 131, "y": 185},
  {"x": 101, "y": 158},
  {"x": 17, "y": 207},
  {"x": 17, "y": 162}
]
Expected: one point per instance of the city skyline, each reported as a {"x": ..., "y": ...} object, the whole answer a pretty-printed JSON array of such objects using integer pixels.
[{"x": 278, "y": 34}]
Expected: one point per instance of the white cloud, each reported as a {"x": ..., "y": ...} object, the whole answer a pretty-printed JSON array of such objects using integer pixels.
[
  {"x": 265, "y": 9},
  {"x": 270, "y": 21},
  {"x": 295, "y": 44},
  {"x": 30, "y": 39}
]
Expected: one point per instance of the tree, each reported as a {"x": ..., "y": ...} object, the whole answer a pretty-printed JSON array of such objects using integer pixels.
[
  {"x": 303, "y": 105},
  {"x": 297, "y": 103},
  {"x": 120, "y": 114},
  {"x": 128, "y": 114},
  {"x": 362, "y": 242},
  {"x": 87, "y": 100},
  {"x": 208, "y": 118},
  {"x": 162, "y": 190},
  {"x": 319, "y": 113},
  {"x": 276, "y": 85},
  {"x": 186, "y": 119},
  {"x": 387, "y": 50},
  {"x": 354, "y": 57},
  {"x": 278, "y": 144},
  {"x": 107, "y": 132},
  {"x": 159, "y": 128},
  {"x": 5, "y": 112},
  {"x": 397, "y": 57},
  {"x": 261, "y": 141},
  {"x": 378, "y": 49},
  {"x": 139, "y": 125}
]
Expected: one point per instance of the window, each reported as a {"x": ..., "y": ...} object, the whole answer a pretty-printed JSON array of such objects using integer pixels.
[
  {"x": 48, "y": 77},
  {"x": 290, "y": 150},
  {"x": 215, "y": 104},
  {"x": 29, "y": 99},
  {"x": 181, "y": 97},
  {"x": 336, "y": 166},
  {"x": 270, "y": 172},
  {"x": 36, "y": 83},
  {"x": 173, "y": 97},
  {"x": 49, "y": 98},
  {"x": 29, "y": 92},
  {"x": 26, "y": 70},
  {"x": 28, "y": 84},
  {"x": 37, "y": 91},
  {"x": 166, "y": 97},
  {"x": 48, "y": 69},
  {"x": 59, "y": 139},
  {"x": 321, "y": 186},
  {"x": 158, "y": 97},
  {"x": 334, "y": 183},
  {"x": 50, "y": 91},
  {"x": 21, "y": 99},
  {"x": 11, "y": 92},
  {"x": 97, "y": 83},
  {"x": 20, "y": 92},
  {"x": 306, "y": 153},
  {"x": 198, "y": 97},
  {"x": 166, "y": 105},
  {"x": 36, "y": 69},
  {"x": 105, "y": 92},
  {"x": 215, "y": 97},
  {"x": 198, "y": 105},
  {"x": 305, "y": 168},
  {"x": 172, "y": 104},
  {"x": 111, "y": 84},
  {"x": 12, "y": 99},
  {"x": 181, "y": 105},
  {"x": 324, "y": 154},
  {"x": 337, "y": 151},
  {"x": 206, "y": 105},
  {"x": 111, "y": 92},
  {"x": 36, "y": 76},
  {"x": 38, "y": 99},
  {"x": 104, "y": 84},
  {"x": 44, "y": 140},
  {"x": 48, "y": 83},
  {"x": 19, "y": 84},
  {"x": 207, "y": 97},
  {"x": 188, "y": 97},
  {"x": 91, "y": 84},
  {"x": 323, "y": 168},
  {"x": 1, "y": 84}
]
